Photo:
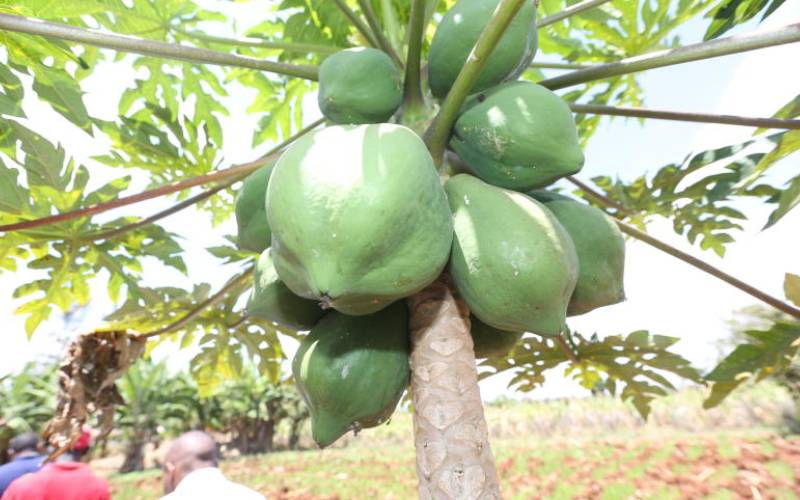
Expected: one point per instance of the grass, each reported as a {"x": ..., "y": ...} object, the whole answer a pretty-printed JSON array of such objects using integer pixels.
[{"x": 551, "y": 450}]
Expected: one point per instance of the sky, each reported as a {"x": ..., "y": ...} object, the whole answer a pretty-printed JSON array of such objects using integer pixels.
[{"x": 665, "y": 296}]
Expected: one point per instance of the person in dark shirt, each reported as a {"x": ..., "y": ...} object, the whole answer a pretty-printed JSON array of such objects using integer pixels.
[
  {"x": 25, "y": 458},
  {"x": 65, "y": 479}
]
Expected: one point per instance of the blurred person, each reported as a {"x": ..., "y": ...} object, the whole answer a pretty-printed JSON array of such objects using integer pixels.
[
  {"x": 65, "y": 479},
  {"x": 191, "y": 471},
  {"x": 24, "y": 458}
]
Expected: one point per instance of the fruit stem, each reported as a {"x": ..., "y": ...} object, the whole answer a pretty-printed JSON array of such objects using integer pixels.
[
  {"x": 126, "y": 43},
  {"x": 570, "y": 11},
  {"x": 438, "y": 134},
  {"x": 209, "y": 302},
  {"x": 377, "y": 31},
  {"x": 260, "y": 43},
  {"x": 694, "y": 52},
  {"x": 692, "y": 261},
  {"x": 227, "y": 173},
  {"x": 412, "y": 85},
  {"x": 358, "y": 23},
  {"x": 688, "y": 117}
]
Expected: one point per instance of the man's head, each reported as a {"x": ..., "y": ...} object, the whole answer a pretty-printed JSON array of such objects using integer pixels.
[
  {"x": 191, "y": 451},
  {"x": 26, "y": 443}
]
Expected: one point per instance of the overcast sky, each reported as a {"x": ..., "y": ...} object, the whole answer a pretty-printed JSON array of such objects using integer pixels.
[{"x": 665, "y": 296}]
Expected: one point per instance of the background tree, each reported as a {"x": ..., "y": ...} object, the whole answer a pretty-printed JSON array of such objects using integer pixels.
[
  {"x": 27, "y": 401},
  {"x": 167, "y": 135}
]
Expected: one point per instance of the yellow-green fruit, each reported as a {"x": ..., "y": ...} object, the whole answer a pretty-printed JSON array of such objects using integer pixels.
[
  {"x": 518, "y": 136},
  {"x": 359, "y": 86},
  {"x": 251, "y": 215},
  {"x": 513, "y": 263},
  {"x": 272, "y": 301},
  {"x": 456, "y": 36},
  {"x": 352, "y": 370},
  {"x": 490, "y": 342},
  {"x": 601, "y": 252},
  {"x": 359, "y": 218}
]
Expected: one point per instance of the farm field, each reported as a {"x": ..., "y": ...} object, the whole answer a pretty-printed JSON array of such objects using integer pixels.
[{"x": 595, "y": 448}]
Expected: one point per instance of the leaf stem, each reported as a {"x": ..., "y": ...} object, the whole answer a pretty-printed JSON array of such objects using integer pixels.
[
  {"x": 570, "y": 11},
  {"x": 546, "y": 65},
  {"x": 693, "y": 261},
  {"x": 687, "y": 117},
  {"x": 377, "y": 31},
  {"x": 708, "y": 268},
  {"x": 566, "y": 349},
  {"x": 438, "y": 133},
  {"x": 391, "y": 23},
  {"x": 125, "y": 43},
  {"x": 694, "y": 52},
  {"x": 260, "y": 43},
  {"x": 112, "y": 233},
  {"x": 357, "y": 22},
  {"x": 209, "y": 302},
  {"x": 412, "y": 86},
  {"x": 227, "y": 173}
]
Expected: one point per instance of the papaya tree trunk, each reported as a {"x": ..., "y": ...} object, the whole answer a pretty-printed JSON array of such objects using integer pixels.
[{"x": 454, "y": 459}]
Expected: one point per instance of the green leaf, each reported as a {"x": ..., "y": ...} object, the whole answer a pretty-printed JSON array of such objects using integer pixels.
[
  {"x": 730, "y": 13},
  {"x": 768, "y": 351},
  {"x": 787, "y": 200},
  {"x": 791, "y": 287}
]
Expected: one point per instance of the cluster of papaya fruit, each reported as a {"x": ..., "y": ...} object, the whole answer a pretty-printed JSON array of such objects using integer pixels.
[{"x": 353, "y": 218}]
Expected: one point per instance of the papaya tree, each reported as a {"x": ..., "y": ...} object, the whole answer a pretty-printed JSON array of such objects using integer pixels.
[{"x": 413, "y": 226}]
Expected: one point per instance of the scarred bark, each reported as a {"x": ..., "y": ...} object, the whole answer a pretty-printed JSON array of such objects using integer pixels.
[{"x": 454, "y": 459}]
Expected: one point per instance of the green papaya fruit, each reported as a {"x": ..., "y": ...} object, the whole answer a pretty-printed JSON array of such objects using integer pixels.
[
  {"x": 352, "y": 370},
  {"x": 512, "y": 262},
  {"x": 490, "y": 342},
  {"x": 456, "y": 36},
  {"x": 271, "y": 300},
  {"x": 601, "y": 252},
  {"x": 359, "y": 85},
  {"x": 518, "y": 135},
  {"x": 251, "y": 215},
  {"x": 359, "y": 218}
]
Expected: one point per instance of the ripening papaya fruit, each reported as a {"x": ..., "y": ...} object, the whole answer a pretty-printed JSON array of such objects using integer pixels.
[
  {"x": 352, "y": 370},
  {"x": 512, "y": 262},
  {"x": 518, "y": 135},
  {"x": 251, "y": 215},
  {"x": 456, "y": 36},
  {"x": 272, "y": 301},
  {"x": 490, "y": 342},
  {"x": 601, "y": 252},
  {"x": 358, "y": 215},
  {"x": 360, "y": 85}
]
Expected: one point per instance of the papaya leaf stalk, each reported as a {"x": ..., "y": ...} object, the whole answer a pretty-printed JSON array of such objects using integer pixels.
[
  {"x": 235, "y": 283},
  {"x": 660, "y": 114},
  {"x": 264, "y": 44},
  {"x": 377, "y": 31},
  {"x": 412, "y": 85},
  {"x": 685, "y": 257},
  {"x": 126, "y": 43},
  {"x": 233, "y": 172},
  {"x": 695, "y": 52},
  {"x": 571, "y": 11},
  {"x": 358, "y": 23},
  {"x": 438, "y": 133}
]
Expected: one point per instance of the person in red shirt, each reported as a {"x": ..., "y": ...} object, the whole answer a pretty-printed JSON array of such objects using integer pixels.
[{"x": 66, "y": 479}]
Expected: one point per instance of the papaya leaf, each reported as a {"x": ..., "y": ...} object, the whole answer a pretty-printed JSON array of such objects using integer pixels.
[
  {"x": 768, "y": 351},
  {"x": 632, "y": 367},
  {"x": 787, "y": 200},
  {"x": 730, "y": 13},
  {"x": 791, "y": 287}
]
